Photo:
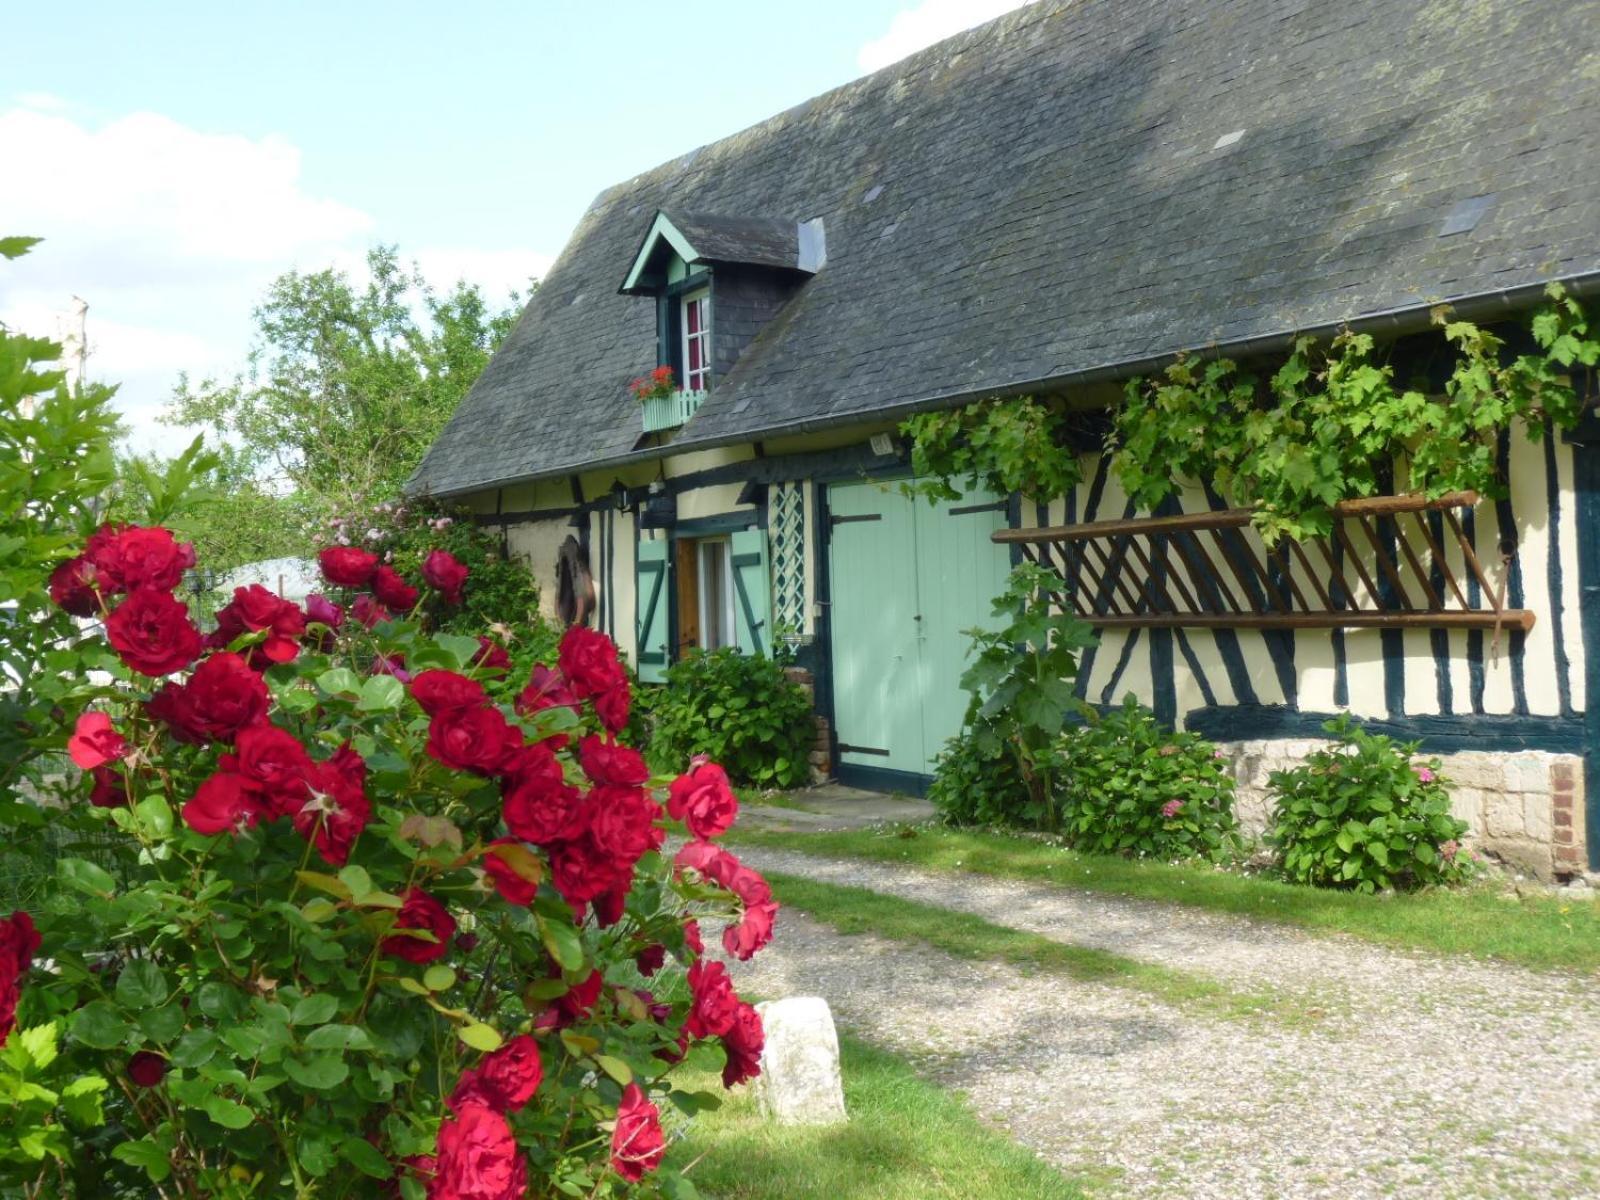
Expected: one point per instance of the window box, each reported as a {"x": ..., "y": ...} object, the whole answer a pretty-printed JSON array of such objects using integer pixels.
[{"x": 670, "y": 411}]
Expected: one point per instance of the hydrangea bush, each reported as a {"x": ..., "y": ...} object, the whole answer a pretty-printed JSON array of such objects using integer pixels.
[{"x": 384, "y": 920}]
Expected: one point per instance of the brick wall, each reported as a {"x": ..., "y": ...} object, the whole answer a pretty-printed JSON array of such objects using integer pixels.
[
  {"x": 821, "y": 756},
  {"x": 1525, "y": 808}
]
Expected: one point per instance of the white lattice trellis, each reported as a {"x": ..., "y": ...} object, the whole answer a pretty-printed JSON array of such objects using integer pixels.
[{"x": 787, "y": 531}]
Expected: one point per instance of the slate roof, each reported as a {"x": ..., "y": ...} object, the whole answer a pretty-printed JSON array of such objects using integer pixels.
[
  {"x": 759, "y": 241},
  {"x": 1079, "y": 184}
]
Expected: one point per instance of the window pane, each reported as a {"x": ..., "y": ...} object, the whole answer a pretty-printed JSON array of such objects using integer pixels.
[
  {"x": 715, "y": 631},
  {"x": 694, "y": 356},
  {"x": 693, "y": 315}
]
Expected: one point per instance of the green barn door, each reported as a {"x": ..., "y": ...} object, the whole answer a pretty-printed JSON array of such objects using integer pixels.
[
  {"x": 906, "y": 578},
  {"x": 959, "y": 573},
  {"x": 651, "y": 601},
  {"x": 872, "y": 571}
]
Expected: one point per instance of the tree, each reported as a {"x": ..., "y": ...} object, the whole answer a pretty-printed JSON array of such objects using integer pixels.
[{"x": 347, "y": 386}]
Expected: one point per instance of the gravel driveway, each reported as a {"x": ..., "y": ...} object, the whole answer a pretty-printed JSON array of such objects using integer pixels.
[{"x": 1431, "y": 1076}]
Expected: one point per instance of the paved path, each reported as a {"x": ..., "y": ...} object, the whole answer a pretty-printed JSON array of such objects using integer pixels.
[{"x": 1430, "y": 1077}]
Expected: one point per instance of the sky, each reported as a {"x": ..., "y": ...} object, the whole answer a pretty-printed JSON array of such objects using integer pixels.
[{"x": 178, "y": 156}]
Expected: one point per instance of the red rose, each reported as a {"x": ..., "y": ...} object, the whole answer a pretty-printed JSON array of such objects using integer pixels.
[
  {"x": 579, "y": 1000},
  {"x": 94, "y": 743},
  {"x": 546, "y": 689},
  {"x": 491, "y": 656},
  {"x": 703, "y": 800},
  {"x": 542, "y": 810},
  {"x": 420, "y": 911},
  {"x": 715, "y": 1005},
  {"x": 743, "y": 1043},
  {"x": 223, "y": 697},
  {"x": 753, "y": 931},
  {"x": 478, "y": 1158},
  {"x": 147, "y": 1069},
  {"x": 439, "y": 691},
  {"x": 391, "y": 664},
  {"x": 392, "y": 591},
  {"x": 368, "y": 611},
  {"x": 324, "y": 611},
  {"x": 514, "y": 887},
  {"x": 337, "y": 809},
  {"x": 651, "y": 959},
  {"x": 612, "y": 707},
  {"x": 18, "y": 940},
  {"x": 479, "y": 740},
  {"x": 504, "y": 1081},
  {"x": 581, "y": 871},
  {"x": 693, "y": 945},
  {"x": 608, "y": 909},
  {"x": 611, "y": 762},
  {"x": 589, "y": 662},
  {"x": 637, "y": 1144},
  {"x": 110, "y": 788},
  {"x": 346, "y": 566},
  {"x": 137, "y": 557},
  {"x": 275, "y": 764},
  {"x": 152, "y": 632},
  {"x": 444, "y": 574},
  {"x": 622, "y": 822},
  {"x": 224, "y": 803},
  {"x": 254, "y": 609},
  {"x": 72, "y": 587}
]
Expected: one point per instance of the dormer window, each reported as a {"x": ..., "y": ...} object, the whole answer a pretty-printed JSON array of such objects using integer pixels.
[{"x": 696, "y": 323}]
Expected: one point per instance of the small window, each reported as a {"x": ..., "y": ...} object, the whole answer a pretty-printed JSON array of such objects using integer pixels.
[
  {"x": 697, "y": 342},
  {"x": 717, "y": 626}
]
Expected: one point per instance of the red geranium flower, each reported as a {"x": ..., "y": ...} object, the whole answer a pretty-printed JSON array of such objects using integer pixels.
[
  {"x": 478, "y": 1158},
  {"x": 479, "y": 740},
  {"x": 637, "y": 1144},
  {"x": 505, "y": 1080},
  {"x": 72, "y": 587},
  {"x": 703, "y": 800},
  {"x": 393, "y": 591},
  {"x": 254, "y": 609},
  {"x": 18, "y": 941},
  {"x": 147, "y": 1069},
  {"x": 606, "y": 761},
  {"x": 152, "y": 633},
  {"x": 94, "y": 742},
  {"x": 444, "y": 574},
  {"x": 438, "y": 691},
  {"x": 346, "y": 566},
  {"x": 337, "y": 809},
  {"x": 224, "y": 803},
  {"x": 421, "y": 911},
  {"x": 743, "y": 1043},
  {"x": 137, "y": 557}
]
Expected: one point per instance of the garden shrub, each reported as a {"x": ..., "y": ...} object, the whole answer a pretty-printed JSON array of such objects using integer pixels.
[
  {"x": 739, "y": 709},
  {"x": 1132, "y": 786},
  {"x": 975, "y": 782},
  {"x": 361, "y": 938},
  {"x": 1364, "y": 814}
]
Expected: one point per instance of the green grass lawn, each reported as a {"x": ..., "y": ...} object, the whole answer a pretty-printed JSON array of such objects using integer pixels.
[
  {"x": 906, "y": 1140},
  {"x": 854, "y": 910},
  {"x": 1546, "y": 932}
]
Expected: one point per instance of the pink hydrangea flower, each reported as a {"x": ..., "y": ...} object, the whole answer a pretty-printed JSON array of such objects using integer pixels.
[
  {"x": 1425, "y": 775},
  {"x": 1171, "y": 809}
]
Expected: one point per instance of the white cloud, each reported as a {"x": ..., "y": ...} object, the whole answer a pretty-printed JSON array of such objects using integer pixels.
[
  {"x": 172, "y": 235},
  {"x": 931, "y": 21}
]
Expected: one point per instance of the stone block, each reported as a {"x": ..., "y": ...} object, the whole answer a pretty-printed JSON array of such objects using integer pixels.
[
  {"x": 1527, "y": 773},
  {"x": 1466, "y": 804},
  {"x": 1537, "y": 817},
  {"x": 799, "y": 1082},
  {"x": 1502, "y": 816}
]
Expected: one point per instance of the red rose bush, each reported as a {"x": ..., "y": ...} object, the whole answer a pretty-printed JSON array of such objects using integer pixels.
[{"x": 379, "y": 916}]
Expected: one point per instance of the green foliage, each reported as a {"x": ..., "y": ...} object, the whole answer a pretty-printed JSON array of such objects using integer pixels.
[
  {"x": 1021, "y": 682},
  {"x": 55, "y": 461},
  {"x": 41, "y": 1114},
  {"x": 977, "y": 782},
  {"x": 1003, "y": 446},
  {"x": 346, "y": 388},
  {"x": 1331, "y": 423},
  {"x": 1362, "y": 814},
  {"x": 1132, "y": 787},
  {"x": 740, "y": 709}
]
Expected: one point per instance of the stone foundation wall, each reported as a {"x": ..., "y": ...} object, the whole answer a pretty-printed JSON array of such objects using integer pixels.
[
  {"x": 821, "y": 754},
  {"x": 1524, "y": 808}
]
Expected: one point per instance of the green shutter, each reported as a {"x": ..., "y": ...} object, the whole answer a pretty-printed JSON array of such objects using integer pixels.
[
  {"x": 651, "y": 605},
  {"x": 752, "y": 587}
]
